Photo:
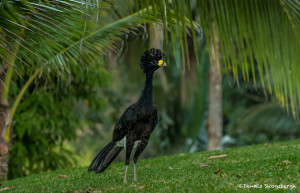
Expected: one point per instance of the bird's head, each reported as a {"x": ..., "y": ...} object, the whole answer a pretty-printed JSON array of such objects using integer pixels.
[{"x": 152, "y": 60}]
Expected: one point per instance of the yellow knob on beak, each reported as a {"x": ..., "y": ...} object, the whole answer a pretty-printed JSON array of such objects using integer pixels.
[{"x": 161, "y": 63}]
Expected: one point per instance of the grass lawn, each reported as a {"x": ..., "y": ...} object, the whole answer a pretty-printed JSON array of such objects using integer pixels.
[{"x": 275, "y": 165}]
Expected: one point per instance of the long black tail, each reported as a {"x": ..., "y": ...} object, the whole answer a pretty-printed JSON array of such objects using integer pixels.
[{"x": 105, "y": 157}]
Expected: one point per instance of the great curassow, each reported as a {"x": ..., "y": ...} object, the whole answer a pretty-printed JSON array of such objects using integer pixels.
[{"x": 137, "y": 122}]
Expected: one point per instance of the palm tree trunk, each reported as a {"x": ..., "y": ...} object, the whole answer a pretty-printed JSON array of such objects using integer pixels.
[
  {"x": 4, "y": 120},
  {"x": 156, "y": 36},
  {"x": 215, "y": 117}
]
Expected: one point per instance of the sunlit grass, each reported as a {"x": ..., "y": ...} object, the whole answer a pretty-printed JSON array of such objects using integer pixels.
[{"x": 253, "y": 165}]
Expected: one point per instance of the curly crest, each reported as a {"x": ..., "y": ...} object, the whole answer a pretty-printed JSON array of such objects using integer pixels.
[{"x": 150, "y": 59}]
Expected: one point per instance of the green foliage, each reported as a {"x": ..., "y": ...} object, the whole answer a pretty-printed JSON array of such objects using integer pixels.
[
  {"x": 264, "y": 123},
  {"x": 45, "y": 29},
  {"x": 82, "y": 30},
  {"x": 260, "y": 164},
  {"x": 262, "y": 34},
  {"x": 50, "y": 114},
  {"x": 253, "y": 117},
  {"x": 81, "y": 34}
]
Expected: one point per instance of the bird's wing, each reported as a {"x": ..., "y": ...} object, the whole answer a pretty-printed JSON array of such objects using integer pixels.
[{"x": 126, "y": 122}]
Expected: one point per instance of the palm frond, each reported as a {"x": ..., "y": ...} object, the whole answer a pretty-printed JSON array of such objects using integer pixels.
[
  {"x": 54, "y": 30},
  {"x": 252, "y": 34},
  {"x": 262, "y": 33},
  {"x": 88, "y": 47},
  {"x": 46, "y": 25},
  {"x": 95, "y": 42}
]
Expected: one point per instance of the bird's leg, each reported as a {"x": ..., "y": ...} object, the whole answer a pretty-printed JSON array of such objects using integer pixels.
[
  {"x": 129, "y": 146},
  {"x": 134, "y": 174},
  {"x": 140, "y": 148},
  {"x": 125, "y": 175}
]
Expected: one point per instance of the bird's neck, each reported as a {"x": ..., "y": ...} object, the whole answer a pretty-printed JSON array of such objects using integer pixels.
[{"x": 147, "y": 92}]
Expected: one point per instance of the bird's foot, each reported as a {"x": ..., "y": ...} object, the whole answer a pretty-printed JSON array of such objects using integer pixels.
[
  {"x": 124, "y": 182},
  {"x": 134, "y": 180}
]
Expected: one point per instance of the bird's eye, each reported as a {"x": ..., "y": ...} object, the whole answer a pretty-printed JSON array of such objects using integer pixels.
[{"x": 160, "y": 62}]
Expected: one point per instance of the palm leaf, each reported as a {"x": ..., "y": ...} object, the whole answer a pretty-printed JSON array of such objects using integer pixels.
[
  {"x": 89, "y": 47},
  {"x": 46, "y": 25},
  {"x": 52, "y": 30},
  {"x": 261, "y": 33}
]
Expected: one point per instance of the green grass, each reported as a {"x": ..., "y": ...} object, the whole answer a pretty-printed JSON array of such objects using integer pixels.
[{"x": 260, "y": 164}]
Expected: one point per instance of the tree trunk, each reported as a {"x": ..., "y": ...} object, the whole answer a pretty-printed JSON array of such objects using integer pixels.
[
  {"x": 4, "y": 120},
  {"x": 215, "y": 117},
  {"x": 156, "y": 36}
]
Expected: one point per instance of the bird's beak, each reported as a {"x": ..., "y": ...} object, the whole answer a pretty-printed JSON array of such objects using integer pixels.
[{"x": 164, "y": 64}]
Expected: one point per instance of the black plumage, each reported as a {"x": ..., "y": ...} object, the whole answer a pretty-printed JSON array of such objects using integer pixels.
[{"x": 137, "y": 122}]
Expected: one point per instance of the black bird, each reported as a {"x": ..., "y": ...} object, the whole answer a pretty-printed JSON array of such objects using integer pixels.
[{"x": 137, "y": 122}]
